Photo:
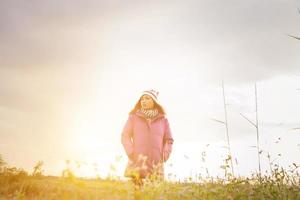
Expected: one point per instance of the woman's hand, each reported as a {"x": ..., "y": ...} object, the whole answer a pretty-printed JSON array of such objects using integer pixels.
[{"x": 166, "y": 154}]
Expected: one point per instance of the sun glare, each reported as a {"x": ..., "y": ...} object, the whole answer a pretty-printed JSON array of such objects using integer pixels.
[{"x": 89, "y": 152}]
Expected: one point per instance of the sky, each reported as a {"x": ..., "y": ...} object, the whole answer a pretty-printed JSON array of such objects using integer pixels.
[{"x": 70, "y": 71}]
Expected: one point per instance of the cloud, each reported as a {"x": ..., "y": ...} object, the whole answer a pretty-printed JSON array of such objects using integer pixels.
[
  {"x": 239, "y": 41},
  {"x": 63, "y": 61},
  {"x": 51, "y": 33}
]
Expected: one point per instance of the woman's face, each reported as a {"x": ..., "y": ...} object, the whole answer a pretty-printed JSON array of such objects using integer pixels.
[{"x": 147, "y": 102}]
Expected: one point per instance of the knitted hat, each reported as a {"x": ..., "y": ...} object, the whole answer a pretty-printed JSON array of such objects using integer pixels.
[{"x": 152, "y": 93}]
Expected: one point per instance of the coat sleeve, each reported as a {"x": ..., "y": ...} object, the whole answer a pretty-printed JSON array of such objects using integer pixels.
[
  {"x": 126, "y": 137},
  {"x": 168, "y": 141}
]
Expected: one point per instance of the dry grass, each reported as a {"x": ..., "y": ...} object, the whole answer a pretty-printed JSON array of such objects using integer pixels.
[{"x": 18, "y": 184}]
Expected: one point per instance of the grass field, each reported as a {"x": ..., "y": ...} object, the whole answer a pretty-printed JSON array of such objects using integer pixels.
[{"x": 18, "y": 184}]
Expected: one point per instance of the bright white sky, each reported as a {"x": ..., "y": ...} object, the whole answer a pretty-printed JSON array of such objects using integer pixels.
[{"x": 71, "y": 72}]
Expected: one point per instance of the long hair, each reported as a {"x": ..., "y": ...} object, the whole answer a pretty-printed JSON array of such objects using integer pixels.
[{"x": 156, "y": 105}]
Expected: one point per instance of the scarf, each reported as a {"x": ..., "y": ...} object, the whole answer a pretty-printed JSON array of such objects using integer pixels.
[{"x": 149, "y": 113}]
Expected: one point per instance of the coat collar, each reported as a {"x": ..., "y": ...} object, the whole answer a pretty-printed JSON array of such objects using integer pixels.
[{"x": 159, "y": 115}]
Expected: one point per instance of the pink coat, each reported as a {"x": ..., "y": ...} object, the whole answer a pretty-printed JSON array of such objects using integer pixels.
[{"x": 147, "y": 142}]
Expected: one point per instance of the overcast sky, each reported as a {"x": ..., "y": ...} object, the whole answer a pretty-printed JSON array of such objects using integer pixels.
[{"x": 70, "y": 71}]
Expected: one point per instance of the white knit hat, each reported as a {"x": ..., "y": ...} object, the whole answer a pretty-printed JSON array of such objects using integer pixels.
[{"x": 152, "y": 93}]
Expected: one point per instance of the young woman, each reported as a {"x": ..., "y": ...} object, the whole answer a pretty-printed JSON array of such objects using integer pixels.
[{"x": 147, "y": 139}]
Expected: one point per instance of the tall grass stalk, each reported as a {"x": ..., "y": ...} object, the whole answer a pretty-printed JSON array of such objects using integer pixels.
[
  {"x": 226, "y": 125},
  {"x": 257, "y": 132},
  {"x": 256, "y": 125}
]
